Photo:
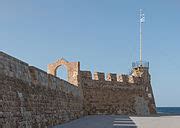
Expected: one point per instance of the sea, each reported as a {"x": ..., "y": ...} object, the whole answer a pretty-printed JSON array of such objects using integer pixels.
[{"x": 168, "y": 110}]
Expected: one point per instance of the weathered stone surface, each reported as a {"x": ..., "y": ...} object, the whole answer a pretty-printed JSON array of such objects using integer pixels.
[
  {"x": 125, "y": 94},
  {"x": 32, "y": 98},
  {"x": 29, "y": 97}
]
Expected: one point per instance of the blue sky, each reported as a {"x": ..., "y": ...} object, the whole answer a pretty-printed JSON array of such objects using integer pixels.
[{"x": 102, "y": 34}]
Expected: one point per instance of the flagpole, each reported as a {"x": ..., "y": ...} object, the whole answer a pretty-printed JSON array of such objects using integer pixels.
[{"x": 140, "y": 38}]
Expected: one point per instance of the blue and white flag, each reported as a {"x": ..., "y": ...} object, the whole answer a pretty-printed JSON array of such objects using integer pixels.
[{"x": 142, "y": 18}]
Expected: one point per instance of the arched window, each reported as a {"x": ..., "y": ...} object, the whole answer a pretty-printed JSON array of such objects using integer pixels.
[{"x": 61, "y": 72}]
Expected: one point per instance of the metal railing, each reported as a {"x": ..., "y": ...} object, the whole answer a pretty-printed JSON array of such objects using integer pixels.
[{"x": 140, "y": 64}]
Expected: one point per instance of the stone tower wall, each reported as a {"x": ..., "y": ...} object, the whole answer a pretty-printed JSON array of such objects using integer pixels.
[{"x": 122, "y": 94}]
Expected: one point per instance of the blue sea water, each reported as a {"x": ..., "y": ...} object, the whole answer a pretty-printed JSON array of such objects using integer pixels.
[{"x": 169, "y": 110}]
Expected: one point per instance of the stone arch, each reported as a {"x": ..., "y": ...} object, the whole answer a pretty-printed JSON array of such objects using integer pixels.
[
  {"x": 52, "y": 68},
  {"x": 73, "y": 69}
]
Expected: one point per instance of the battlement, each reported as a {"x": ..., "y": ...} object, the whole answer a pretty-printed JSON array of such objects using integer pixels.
[
  {"x": 86, "y": 75},
  {"x": 110, "y": 77},
  {"x": 99, "y": 76},
  {"x": 122, "y": 78}
]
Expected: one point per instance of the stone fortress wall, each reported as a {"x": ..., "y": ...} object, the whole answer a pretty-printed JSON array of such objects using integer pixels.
[
  {"x": 117, "y": 94},
  {"x": 30, "y": 97}
]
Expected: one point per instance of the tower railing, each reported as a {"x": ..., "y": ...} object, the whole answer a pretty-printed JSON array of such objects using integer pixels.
[{"x": 140, "y": 64}]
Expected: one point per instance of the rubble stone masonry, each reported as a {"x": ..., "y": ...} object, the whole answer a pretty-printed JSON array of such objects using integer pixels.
[
  {"x": 33, "y": 98},
  {"x": 127, "y": 95}
]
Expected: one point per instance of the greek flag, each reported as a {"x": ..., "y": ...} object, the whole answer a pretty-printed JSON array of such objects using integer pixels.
[{"x": 142, "y": 18}]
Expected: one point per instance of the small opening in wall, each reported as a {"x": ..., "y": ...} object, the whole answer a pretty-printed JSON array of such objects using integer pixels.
[{"x": 61, "y": 72}]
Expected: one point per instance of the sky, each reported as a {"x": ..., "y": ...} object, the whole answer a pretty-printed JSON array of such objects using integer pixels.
[{"x": 102, "y": 34}]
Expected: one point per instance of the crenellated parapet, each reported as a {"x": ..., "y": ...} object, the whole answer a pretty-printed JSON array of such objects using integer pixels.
[
  {"x": 110, "y": 77},
  {"x": 99, "y": 76},
  {"x": 122, "y": 78},
  {"x": 86, "y": 75}
]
